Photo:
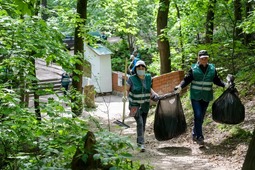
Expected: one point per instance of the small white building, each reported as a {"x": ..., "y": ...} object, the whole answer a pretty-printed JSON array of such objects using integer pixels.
[{"x": 100, "y": 72}]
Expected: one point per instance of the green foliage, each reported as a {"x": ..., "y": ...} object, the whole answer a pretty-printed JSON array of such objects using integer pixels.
[
  {"x": 248, "y": 25},
  {"x": 18, "y": 7},
  {"x": 30, "y": 143},
  {"x": 113, "y": 149},
  {"x": 26, "y": 142},
  {"x": 154, "y": 67},
  {"x": 23, "y": 38},
  {"x": 120, "y": 53},
  {"x": 129, "y": 20},
  {"x": 240, "y": 133},
  {"x": 245, "y": 74},
  {"x": 187, "y": 108},
  {"x": 236, "y": 131},
  {"x": 57, "y": 136},
  {"x": 76, "y": 102}
]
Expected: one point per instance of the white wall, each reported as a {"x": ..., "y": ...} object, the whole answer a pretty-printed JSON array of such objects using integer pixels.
[
  {"x": 105, "y": 73},
  {"x": 101, "y": 70}
]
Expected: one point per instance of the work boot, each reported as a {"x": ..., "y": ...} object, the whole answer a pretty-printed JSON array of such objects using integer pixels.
[{"x": 200, "y": 141}]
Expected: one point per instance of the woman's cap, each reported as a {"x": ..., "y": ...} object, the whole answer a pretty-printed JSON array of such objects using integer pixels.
[
  {"x": 140, "y": 62},
  {"x": 203, "y": 54}
]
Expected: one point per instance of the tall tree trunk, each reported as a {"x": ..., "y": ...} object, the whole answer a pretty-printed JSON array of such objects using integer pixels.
[
  {"x": 79, "y": 51},
  {"x": 180, "y": 34},
  {"x": 249, "y": 6},
  {"x": 23, "y": 94},
  {"x": 35, "y": 82},
  {"x": 249, "y": 162},
  {"x": 237, "y": 32},
  {"x": 44, "y": 4},
  {"x": 163, "y": 43},
  {"x": 238, "y": 19},
  {"x": 210, "y": 22},
  {"x": 131, "y": 42},
  {"x": 79, "y": 44},
  {"x": 36, "y": 96}
]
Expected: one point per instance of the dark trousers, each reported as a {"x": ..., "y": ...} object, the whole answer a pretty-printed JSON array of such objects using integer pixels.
[
  {"x": 199, "y": 108},
  {"x": 66, "y": 88},
  {"x": 140, "y": 126}
]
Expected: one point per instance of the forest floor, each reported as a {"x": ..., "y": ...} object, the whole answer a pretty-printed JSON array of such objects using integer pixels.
[{"x": 224, "y": 148}]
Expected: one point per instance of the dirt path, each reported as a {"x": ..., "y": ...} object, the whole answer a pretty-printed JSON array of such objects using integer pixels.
[{"x": 221, "y": 152}]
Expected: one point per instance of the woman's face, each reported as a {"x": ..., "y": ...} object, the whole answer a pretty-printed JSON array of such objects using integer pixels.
[
  {"x": 203, "y": 61},
  {"x": 140, "y": 70},
  {"x": 140, "y": 67}
]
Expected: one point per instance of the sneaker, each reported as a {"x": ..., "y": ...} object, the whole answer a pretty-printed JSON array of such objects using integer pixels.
[
  {"x": 200, "y": 141},
  {"x": 142, "y": 148}
]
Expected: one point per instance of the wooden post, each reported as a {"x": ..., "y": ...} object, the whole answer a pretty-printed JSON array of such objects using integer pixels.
[
  {"x": 89, "y": 93},
  {"x": 125, "y": 92}
]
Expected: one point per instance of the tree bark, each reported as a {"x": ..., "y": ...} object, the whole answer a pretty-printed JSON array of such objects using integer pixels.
[
  {"x": 44, "y": 4},
  {"x": 79, "y": 44},
  {"x": 79, "y": 51},
  {"x": 238, "y": 19},
  {"x": 210, "y": 22},
  {"x": 249, "y": 162},
  {"x": 89, "y": 149},
  {"x": 180, "y": 35},
  {"x": 163, "y": 43},
  {"x": 36, "y": 96}
]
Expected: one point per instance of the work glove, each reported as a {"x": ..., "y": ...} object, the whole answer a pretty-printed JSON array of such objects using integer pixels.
[
  {"x": 124, "y": 99},
  {"x": 177, "y": 89},
  {"x": 230, "y": 78},
  {"x": 155, "y": 97},
  {"x": 227, "y": 85},
  {"x": 230, "y": 81}
]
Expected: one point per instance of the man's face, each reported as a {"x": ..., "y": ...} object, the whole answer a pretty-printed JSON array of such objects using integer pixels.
[{"x": 203, "y": 61}]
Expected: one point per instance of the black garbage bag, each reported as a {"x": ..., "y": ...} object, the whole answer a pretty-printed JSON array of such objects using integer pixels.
[
  {"x": 228, "y": 108},
  {"x": 169, "y": 121}
]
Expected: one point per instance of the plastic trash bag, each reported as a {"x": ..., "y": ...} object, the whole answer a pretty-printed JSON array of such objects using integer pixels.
[
  {"x": 169, "y": 121},
  {"x": 228, "y": 108}
]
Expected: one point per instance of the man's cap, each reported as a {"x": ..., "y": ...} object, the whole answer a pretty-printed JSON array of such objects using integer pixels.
[
  {"x": 140, "y": 62},
  {"x": 134, "y": 52},
  {"x": 203, "y": 54}
]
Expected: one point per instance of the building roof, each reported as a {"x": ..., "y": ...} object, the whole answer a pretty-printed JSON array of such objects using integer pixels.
[{"x": 100, "y": 49}]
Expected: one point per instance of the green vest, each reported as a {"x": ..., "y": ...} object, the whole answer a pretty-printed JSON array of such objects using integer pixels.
[
  {"x": 201, "y": 86},
  {"x": 138, "y": 94},
  {"x": 65, "y": 80}
]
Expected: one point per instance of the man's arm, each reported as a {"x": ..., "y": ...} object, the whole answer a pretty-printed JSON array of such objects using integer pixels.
[
  {"x": 217, "y": 80},
  {"x": 129, "y": 67},
  {"x": 187, "y": 79}
]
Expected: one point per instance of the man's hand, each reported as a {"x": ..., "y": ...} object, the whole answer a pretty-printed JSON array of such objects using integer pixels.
[{"x": 177, "y": 89}]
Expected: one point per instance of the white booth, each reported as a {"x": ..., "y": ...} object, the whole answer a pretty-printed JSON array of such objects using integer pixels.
[{"x": 99, "y": 58}]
